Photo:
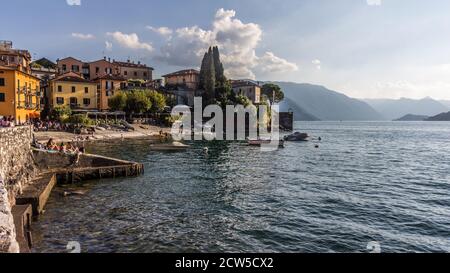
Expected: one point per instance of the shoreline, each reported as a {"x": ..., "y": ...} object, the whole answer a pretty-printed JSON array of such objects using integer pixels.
[{"x": 140, "y": 131}]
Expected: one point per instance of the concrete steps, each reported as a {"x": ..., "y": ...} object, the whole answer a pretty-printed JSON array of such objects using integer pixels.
[{"x": 37, "y": 193}]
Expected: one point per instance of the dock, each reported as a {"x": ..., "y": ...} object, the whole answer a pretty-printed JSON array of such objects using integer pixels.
[{"x": 57, "y": 169}]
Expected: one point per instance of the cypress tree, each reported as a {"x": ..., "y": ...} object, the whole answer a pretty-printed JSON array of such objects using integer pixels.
[
  {"x": 218, "y": 66},
  {"x": 210, "y": 76},
  {"x": 203, "y": 69}
]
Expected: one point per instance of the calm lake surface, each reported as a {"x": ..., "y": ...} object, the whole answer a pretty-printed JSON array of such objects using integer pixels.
[{"x": 369, "y": 181}]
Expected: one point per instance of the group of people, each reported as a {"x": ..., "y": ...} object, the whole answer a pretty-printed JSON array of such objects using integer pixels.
[
  {"x": 43, "y": 126},
  {"x": 68, "y": 148},
  {"x": 7, "y": 121}
]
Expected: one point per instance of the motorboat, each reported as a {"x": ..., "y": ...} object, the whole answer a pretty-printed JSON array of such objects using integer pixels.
[{"x": 297, "y": 136}]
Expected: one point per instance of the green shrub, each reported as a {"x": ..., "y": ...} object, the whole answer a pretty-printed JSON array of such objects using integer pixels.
[{"x": 79, "y": 119}]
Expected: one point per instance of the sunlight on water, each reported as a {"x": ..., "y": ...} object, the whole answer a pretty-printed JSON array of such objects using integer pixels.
[{"x": 367, "y": 182}]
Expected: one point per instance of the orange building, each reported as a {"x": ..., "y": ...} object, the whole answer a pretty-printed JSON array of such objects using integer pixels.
[
  {"x": 92, "y": 70},
  {"x": 107, "y": 86},
  {"x": 188, "y": 79},
  {"x": 20, "y": 95},
  {"x": 134, "y": 71}
]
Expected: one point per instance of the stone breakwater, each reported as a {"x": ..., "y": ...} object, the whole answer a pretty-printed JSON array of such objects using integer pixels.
[
  {"x": 17, "y": 169},
  {"x": 28, "y": 176}
]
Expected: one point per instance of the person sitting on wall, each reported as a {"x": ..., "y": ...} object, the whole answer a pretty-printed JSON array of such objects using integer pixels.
[{"x": 50, "y": 143}]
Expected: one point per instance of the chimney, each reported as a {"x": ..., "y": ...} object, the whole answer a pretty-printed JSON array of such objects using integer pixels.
[
  {"x": 109, "y": 59},
  {"x": 139, "y": 62},
  {"x": 128, "y": 61},
  {"x": 104, "y": 58}
]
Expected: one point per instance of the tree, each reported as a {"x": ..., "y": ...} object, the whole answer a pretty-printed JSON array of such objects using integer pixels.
[
  {"x": 210, "y": 78},
  {"x": 79, "y": 119},
  {"x": 243, "y": 100},
  {"x": 203, "y": 69},
  {"x": 268, "y": 89},
  {"x": 158, "y": 101},
  {"x": 61, "y": 113},
  {"x": 118, "y": 102},
  {"x": 137, "y": 102},
  {"x": 218, "y": 67}
]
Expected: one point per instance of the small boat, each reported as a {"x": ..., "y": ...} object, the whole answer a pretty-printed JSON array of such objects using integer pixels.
[
  {"x": 297, "y": 136},
  {"x": 174, "y": 146}
]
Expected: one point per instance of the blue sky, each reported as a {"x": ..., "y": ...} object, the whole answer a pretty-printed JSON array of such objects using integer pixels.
[{"x": 363, "y": 48}]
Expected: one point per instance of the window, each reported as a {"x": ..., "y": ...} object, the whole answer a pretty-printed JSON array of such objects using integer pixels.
[
  {"x": 73, "y": 101},
  {"x": 145, "y": 74},
  {"x": 2, "y": 97},
  {"x": 2, "y": 82},
  {"x": 59, "y": 88},
  {"x": 73, "y": 89},
  {"x": 87, "y": 102},
  {"x": 75, "y": 68},
  {"x": 86, "y": 90},
  {"x": 135, "y": 74},
  {"x": 97, "y": 69},
  {"x": 59, "y": 100},
  {"x": 125, "y": 73},
  {"x": 64, "y": 67}
]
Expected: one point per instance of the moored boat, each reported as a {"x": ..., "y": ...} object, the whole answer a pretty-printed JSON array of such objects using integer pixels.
[{"x": 297, "y": 136}]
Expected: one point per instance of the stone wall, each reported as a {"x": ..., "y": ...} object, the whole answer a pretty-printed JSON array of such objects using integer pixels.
[{"x": 17, "y": 168}]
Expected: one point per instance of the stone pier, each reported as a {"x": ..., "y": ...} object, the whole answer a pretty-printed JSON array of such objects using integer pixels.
[{"x": 17, "y": 169}]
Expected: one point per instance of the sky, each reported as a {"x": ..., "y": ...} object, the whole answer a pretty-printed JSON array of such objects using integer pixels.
[{"x": 362, "y": 48}]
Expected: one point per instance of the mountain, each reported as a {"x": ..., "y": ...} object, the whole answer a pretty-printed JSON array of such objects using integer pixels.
[
  {"x": 393, "y": 109},
  {"x": 445, "y": 102},
  {"x": 410, "y": 117},
  {"x": 313, "y": 102},
  {"x": 299, "y": 114},
  {"x": 440, "y": 117}
]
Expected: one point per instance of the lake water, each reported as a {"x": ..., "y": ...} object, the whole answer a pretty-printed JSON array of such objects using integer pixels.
[{"x": 369, "y": 181}]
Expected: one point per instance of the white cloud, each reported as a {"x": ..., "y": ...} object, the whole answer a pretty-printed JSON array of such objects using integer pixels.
[
  {"x": 164, "y": 31},
  {"x": 108, "y": 46},
  {"x": 317, "y": 64},
  {"x": 374, "y": 2},
  {"x": 129, "y": 41},
  {"x": 273, "y": 64},
  {"x": 83, "y": 36},
  {"x": 237, "y": 42},
  {"x": 73, "y": 2}
]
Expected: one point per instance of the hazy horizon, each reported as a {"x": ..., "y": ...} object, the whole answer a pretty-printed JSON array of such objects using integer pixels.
[{"x": 365, "y": 49}]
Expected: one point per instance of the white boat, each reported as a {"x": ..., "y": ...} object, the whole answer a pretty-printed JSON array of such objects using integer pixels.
[{"x": 174, "y": 146}]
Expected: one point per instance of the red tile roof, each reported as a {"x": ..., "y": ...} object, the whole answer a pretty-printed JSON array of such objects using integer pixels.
[{"x": 182, "y": 73}]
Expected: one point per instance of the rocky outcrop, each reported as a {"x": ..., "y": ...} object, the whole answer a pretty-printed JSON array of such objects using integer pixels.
[{"x": 17, "y": 169}]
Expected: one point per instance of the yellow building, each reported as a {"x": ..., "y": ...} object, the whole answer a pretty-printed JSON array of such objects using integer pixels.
[
  {"x": 71, "y": 89},
  {"x": 19, "y": 93}
]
